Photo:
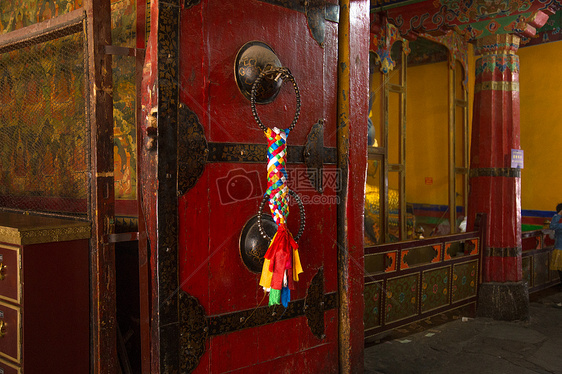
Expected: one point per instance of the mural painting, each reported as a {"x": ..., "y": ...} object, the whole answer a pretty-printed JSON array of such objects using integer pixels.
[
  {"x": 15, "y": 14},
  {"x": 123, "y": 25},
  {"x": 43, "y": 134}
]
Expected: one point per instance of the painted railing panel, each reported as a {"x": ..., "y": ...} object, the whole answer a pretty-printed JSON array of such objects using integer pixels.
[
  {"x": 537, "y": 246},
  {"x": 413, "y": 280},
  {"x": 409, "y": 281}
]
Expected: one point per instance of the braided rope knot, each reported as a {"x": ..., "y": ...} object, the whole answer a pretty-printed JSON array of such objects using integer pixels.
[
  {"x": 277, "y": 189},
  {"x": 281, "y": 266}
]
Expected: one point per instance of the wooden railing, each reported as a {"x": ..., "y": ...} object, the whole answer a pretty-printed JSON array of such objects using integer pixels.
[
  {"x": 536, "y": 248},
  {"x": 409, "y": 281},
  {"x": 413, "y": 280}
]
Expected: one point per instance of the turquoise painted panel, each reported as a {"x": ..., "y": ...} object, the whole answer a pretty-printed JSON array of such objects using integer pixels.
[
  {"x": 435, "y": 288},
  {"x": 372, "y": 312},
  {"x": 465, "y": 279},
  {"x": 401, "y": 299}
]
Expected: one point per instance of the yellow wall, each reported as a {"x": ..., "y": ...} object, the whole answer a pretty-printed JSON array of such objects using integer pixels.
[
  {"x": 427, "y": 134},
  {"x": 540, "y": 120},
  {"x": 541, "y": 125},
  {"x": 426, "y": 130}
]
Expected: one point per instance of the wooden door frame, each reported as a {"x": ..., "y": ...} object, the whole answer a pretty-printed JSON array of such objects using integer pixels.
[
  {"x": 353, "y": 112},
  {"x": 103, "y": 348},
  {"x": 159, "y": 200}
]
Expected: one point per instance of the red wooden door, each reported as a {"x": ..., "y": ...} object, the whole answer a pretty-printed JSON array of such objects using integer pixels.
[{"x": 241, "y": 332}]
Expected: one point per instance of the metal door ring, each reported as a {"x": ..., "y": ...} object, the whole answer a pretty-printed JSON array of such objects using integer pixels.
[{"x": 276, "y": 74}]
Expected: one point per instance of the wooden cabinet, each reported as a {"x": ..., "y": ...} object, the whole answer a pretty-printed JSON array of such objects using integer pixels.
[{"x": 44, "y": 295}]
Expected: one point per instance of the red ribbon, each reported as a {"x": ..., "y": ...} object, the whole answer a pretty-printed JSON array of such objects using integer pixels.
[{"x": 280, "y": 255}]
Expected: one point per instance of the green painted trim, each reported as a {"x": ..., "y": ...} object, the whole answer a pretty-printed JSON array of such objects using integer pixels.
[
  {"x": 430, "y": 220},
  {"x": 528, "y": 227},
  {"x": 482, "y": 28}
]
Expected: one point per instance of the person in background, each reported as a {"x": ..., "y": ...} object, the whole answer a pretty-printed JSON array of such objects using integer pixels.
[
  {"x": 462, "y": 225},
  {"x": 556, "y": 225}
]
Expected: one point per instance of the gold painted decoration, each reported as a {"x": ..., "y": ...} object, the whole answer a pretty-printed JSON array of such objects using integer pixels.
[
  {"x": 499, "y": 43},
  {"x": 24, "y": 229},
  {"x": 16, "y": 14},
  {"x": 497, "y": 86},
  {"x": 62, "y": 174},
  {"x": 123, "y": 33}
]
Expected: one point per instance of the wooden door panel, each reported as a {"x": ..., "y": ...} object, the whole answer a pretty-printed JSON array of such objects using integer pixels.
[
  {"x": 236, "y": 350},
  {"x": 228, "y": 27},
  {"x": 315, "y": 359},
  {"x": 270, "y": 350},
  {"x": 231, "y": 285},
  {"x": 210, "y": 263},
  {"x": 211, "y": 220},
  {"x": 193, "y": 241}
]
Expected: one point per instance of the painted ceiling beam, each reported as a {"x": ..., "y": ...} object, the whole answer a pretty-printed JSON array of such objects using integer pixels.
[{"x": 473, "y": 18}]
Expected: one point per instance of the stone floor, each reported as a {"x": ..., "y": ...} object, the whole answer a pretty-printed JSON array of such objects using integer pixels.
[{"x": 476, "y": 345}]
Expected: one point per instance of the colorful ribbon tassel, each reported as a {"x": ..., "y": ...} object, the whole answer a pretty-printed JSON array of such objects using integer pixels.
[{"x": 282, "y": 266}]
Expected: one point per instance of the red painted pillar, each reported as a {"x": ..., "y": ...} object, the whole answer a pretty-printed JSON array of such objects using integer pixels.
[{"x": 495, "y": 187}]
